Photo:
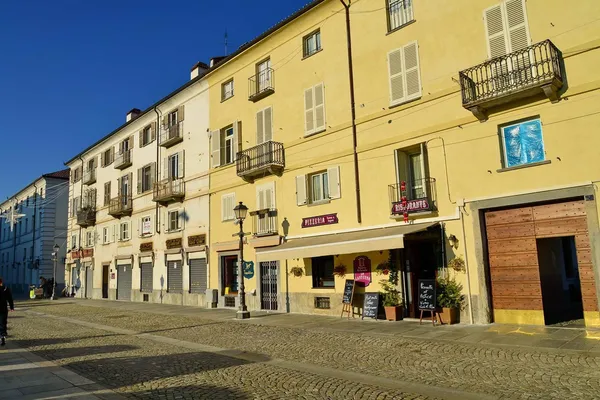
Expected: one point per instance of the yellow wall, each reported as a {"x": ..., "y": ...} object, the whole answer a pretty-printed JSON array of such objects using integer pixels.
[{"x": 451, "y": 37}]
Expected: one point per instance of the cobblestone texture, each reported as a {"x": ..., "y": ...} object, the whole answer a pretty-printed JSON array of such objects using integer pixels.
[
  {"x": 506, "y": 372},
  {"x": 149, "y": 370}
]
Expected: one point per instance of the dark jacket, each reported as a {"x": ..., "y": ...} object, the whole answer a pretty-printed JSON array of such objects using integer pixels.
[{"x": 6, "y": 299}]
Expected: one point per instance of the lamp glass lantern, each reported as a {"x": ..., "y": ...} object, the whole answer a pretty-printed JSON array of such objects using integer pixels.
[{"x": 240, "y": 211}]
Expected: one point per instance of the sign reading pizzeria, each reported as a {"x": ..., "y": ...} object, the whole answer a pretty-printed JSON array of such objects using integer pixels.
[
  {"x": 411, "y": 206},
  {"x": 320, "y": 220}
]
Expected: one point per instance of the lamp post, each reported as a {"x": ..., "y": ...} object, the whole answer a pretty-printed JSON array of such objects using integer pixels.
[
  {"x": 240, "y": 214},
  {"x": 55, "y": 260}
]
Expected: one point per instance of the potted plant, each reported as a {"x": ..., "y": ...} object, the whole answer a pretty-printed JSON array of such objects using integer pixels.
[
  {"x": 450, "y": 299},
  {"x": 297, "y": 271},
  {"x": 392, "y": 301},
  {"x": 457, "y": 264},
  {"x": 339, "y": 270}
]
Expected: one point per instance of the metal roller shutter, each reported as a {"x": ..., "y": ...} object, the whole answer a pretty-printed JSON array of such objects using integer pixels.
[
  {"x": 124, "y": 281},
  {"x": 174, "y": 277},
  {"x": 147, "y": 277},
  {"x": 89, "y": 281},
  {"x": 198, "y": 275}
]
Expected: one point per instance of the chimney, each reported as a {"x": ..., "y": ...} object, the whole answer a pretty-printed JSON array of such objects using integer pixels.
[
  {"x": 133, "y": 114},
  {"x": 215, "y": 60},
  {"x": 198, "y": 69}
]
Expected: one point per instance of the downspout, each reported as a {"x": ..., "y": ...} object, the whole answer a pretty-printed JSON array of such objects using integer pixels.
[
  {"x": 467, "y": 272},
  {"x": 157, "y": 169},
  {"x": 80, "y": 197},
  {"x": 353, "y": 110},
  {"x": 33, "y": 225},
  {"x": 14, "y": 242}
]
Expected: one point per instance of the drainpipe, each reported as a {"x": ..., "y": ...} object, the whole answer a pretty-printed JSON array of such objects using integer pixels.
[
  {"x": 80, "y": 196},
  {"x": 14, "y": 243},
  {"x": 353, "y": 110},
  {"x": 462, "y": 222},
  {"x": 33, "y": 225},
  {"x": 157, "y": 169}
]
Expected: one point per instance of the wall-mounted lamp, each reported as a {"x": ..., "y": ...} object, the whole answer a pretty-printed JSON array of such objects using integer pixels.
[{"x": 453, "y": 241}]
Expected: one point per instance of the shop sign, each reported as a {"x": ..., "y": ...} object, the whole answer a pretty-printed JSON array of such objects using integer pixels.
[
  {"x": 88, "y": 253},
  {"x": 320, "y": 220},
  {"x": 362, "y": 270},
  {"x": 146, "y": 226},
  {"x": 411, "y": 206},
  {"x": 174, "y": 243},
  {"x": 75, "y": 255},
  {"x": 248, "y": 269},
  {"x": 144, "y": 247},
  {"x": 196, "y": 240}
]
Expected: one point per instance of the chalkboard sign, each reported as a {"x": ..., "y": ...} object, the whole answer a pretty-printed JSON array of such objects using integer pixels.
[
  {"x": 348, "y": 292},
  {"x": 427, "y": 298},
  {"x": 371, "y": 305}
]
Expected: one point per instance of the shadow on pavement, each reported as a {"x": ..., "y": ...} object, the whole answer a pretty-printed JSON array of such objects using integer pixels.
[
  {"x": 182, "y": 327},
  {"x": 29, "y": 343},
  {"x": 73, "y": 352},
  {"x": 208, "y": 392}
]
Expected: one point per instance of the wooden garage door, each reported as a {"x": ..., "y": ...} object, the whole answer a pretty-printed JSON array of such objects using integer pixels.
[{"x": 512, "y": 249}]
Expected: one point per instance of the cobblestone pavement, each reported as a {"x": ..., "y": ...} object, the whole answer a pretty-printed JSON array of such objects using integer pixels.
[{"x": 315, "y": 363}]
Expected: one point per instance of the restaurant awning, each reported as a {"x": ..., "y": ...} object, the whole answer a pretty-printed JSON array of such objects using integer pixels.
[{"x": 341, "y": 243}]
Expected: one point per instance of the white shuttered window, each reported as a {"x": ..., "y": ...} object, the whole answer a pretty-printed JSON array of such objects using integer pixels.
[
  {"x": 314, "y": 109},
  {"x": 404, "y": 74},
  {"x": 506, "y": 28},
  {"x": 264, "y": 125},
  {"x": 227, "y": 206}
]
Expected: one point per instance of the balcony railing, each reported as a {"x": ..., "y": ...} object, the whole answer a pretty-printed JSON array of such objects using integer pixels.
[
  {"x": 169, "y": 190},
  {"x": 420, "y": 196},
  {"x": 89, "y": 176},
  {"x": 123, "y": 159},
  {"x": 171, "y": 135},
  {"x": 120, "y": 206},
  {"x": 261, "y": 85},
  {"x": 524, "y": 73},
  {"x": 86, "y": 216},
  {"x": 256, "y": 161},
  {"x": 264, "y": 222}
]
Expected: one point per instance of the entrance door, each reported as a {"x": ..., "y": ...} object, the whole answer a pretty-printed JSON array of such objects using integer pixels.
[
  {"x": 105, "y": 281},
  {"x": 559, "y": 276},
  {"x": 421, "y": 261},
  {"x": 124, "y": 281},
  {"x": 268, "y": 285},
  {"x": 89, "y": 281},
  {"x": 264, "y": 75}
]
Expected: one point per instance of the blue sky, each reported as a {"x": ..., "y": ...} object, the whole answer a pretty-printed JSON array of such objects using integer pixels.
[{"x": 71, "y": 69}]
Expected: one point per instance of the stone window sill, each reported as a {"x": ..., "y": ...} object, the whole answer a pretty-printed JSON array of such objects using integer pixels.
[{"x": 524, "y": 166}]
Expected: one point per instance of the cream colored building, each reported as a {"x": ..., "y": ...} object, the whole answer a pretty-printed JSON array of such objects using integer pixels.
[{"x": 138, "y": 210}]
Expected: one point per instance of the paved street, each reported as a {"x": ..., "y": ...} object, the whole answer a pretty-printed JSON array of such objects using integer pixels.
[{"x": 170, "y": 352}]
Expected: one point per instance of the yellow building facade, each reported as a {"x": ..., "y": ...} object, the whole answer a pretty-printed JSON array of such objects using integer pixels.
[{"x": 452, "y": 130}]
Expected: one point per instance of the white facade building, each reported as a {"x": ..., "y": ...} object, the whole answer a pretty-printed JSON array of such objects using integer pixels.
[
  {"x": 26, "y": 250},
  {"x": 138, "y": 205}
]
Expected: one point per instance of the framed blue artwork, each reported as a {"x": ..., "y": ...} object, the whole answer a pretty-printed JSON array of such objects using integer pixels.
[{"x": 522, "y": 143}]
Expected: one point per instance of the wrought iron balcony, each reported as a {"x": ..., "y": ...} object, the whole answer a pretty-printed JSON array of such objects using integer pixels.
[
  {"x": 171, "y": 135},
  {"x": 524, "y": 73},
  {"x": 420, "y": 196},
  {"x": 169, "y": 190},
  {"x": 264, "y": 222},
  {"x": 86, "y": 216},
  {"x": 261, "y": 85},
  {"x": 268, "y": 157},
  {"x": 120, "y": 206},
  {"x": 89, "y": 176},
  {"x": 123, "y": 159}
]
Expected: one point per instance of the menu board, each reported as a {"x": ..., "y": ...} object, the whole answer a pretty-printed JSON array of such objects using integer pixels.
[
  {"x": 371, "y": 305},
  {"x": 348, "y": 291},
  {"x": 426, "y": 293}
]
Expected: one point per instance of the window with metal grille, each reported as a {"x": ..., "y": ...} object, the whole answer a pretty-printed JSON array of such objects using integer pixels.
[{"x": 322, "y": 303}]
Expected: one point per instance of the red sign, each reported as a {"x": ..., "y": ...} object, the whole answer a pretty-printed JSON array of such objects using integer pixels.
[
  {"x": 320, "y": 220},
  {"x": 75, "y": 255},
  {"x": 409, "y": 206},
  {"x": 88, "y": 253},
  {"x": 362, "y": 270}
]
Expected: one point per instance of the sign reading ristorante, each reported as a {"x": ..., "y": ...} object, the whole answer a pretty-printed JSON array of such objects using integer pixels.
[
  {"x": 320, "y": 220},
  {"x": 411, "y": 206}
]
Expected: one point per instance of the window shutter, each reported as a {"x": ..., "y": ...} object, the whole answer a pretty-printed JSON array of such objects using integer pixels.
[
  {"x": 227, "y": 205},
  {"x": 397, "y": 90},
  {"x": 153, "y": 173},
  {"x": 215, "y": 148},
  {"x": 153, "y": 131},
  {"x": 268, "y": 116},
  {"x": 309, "y": 112},
  {"x": 260, "y": 198},
  {"x": 402, "y": 167},
  {"x": 102, "y": 160},
  {"x": 424, "y": 171},
  {"x": 139, "y": 180},
  {"x": 516, "y": 20},
  {"x": 119, "y": 187},
  {"x": 165, "y": 120},
  {"x": 181, "y": 166},
  {"x": 130, "y": 181},
  {"x": 411, "y": 71},
  {"x": 165, "y": 172},
  {"x": 237, "y": 142},
  {"x": 319, "y": 102},
  {"x": 270, "y": 196},
  {"x": 181, "y": 113},
  {"x": 260, "y": 127},
  {"x": 112, "y": 155},
  {"x": 301, "y": 190},
  {"x": 496, "y": 34},
  {"x": 131, "y": 142},
  {"x": 141, "y": 139},
  {"x": 333, "y": 178}
]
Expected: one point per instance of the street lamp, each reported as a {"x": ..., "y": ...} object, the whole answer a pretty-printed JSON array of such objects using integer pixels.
[
  {"x": 240, "y": 214},
  {"x": 55, "y": 259}
]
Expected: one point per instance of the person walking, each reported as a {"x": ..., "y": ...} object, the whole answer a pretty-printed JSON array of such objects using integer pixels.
[{"x": 6, "y": 304}]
